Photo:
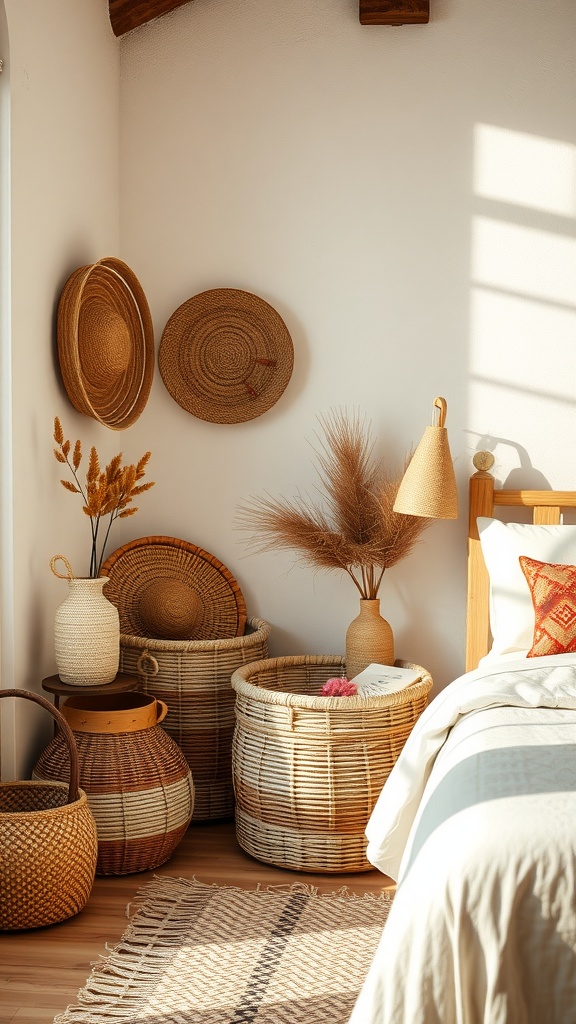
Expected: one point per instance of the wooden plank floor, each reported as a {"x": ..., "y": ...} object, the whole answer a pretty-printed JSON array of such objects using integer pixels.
[{"x": 41, "y": 970}]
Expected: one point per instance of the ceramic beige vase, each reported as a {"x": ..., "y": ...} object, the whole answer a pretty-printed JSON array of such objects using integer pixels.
[
  {"x": 86, "y": 632},
  {"x": 369, "y": 638}
]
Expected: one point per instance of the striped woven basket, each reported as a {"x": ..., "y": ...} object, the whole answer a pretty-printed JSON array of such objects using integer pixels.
[
  {"x": 308, "y": 769},
  {"x": 138, "y": 783},
  {"x": 193, "y": 678}
]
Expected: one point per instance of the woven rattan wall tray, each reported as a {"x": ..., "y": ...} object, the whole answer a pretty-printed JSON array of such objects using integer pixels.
[
  {"x": 106, "y": 342},
  {"x": 226, "y": 356},
  {"x": 169, "y": 589}
]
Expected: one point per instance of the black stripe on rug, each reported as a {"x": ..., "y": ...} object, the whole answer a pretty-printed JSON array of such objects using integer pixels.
[{"x": 268, "y": 961}]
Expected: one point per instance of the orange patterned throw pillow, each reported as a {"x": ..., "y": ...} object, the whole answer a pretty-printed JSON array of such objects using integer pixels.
[{"x": 553, "y": 589}]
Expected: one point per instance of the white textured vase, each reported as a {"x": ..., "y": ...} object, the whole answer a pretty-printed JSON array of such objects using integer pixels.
[{"x": 87, "y": 634}]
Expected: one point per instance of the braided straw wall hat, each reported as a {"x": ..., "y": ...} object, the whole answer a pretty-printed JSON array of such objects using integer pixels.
[
  {"x": 226, "y": 355},
  {"x": 106, "y": 342}
]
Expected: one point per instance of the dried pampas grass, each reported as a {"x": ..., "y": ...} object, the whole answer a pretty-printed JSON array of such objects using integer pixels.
[{"x": 355, "y": 528}]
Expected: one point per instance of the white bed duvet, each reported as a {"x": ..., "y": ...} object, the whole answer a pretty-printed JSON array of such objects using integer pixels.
[{"x": 477, "y": 822}]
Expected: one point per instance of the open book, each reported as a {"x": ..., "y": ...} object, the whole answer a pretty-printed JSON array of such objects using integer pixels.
[{"x": 376, "y": 680}]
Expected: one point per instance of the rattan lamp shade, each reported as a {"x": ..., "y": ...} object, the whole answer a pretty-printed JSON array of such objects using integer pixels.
[{"x": 428, "y": 487}]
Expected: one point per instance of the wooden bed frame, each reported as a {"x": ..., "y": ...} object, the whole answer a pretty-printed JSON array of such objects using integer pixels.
[{"x": 547, "y": 507}]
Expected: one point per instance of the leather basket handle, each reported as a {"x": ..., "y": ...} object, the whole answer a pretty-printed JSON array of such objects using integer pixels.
[{"x": 74, "y": 783}]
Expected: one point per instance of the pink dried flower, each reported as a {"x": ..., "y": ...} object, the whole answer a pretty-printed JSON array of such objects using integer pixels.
[{"x": 339, "y": 688}]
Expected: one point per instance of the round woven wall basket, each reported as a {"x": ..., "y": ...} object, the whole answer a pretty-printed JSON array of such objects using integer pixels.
[
  {"x": 226, "y": 355},
  {"x": 194, "y": 679},
  {"x": 106, "y": 342},
  {"x": 308, "y": 769}
]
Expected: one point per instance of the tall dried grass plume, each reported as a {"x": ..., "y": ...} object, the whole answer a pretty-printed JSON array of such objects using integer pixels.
[{"x": 353, "y": 527}]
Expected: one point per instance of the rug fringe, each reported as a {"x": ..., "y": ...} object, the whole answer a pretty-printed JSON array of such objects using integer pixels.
[
  {"x": 171, "y": 888},
  {"x": 159, "y": 920}
]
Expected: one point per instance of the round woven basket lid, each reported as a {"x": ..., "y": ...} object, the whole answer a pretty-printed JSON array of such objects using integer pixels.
[
  {"x": 106, "y": 342},
  {"x": 226, "y": 355},
  {"x": 169, "y": 589}
]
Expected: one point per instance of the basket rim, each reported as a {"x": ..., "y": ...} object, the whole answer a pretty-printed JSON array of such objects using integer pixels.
[
  {"x": 262, "y": 630},
  {"x": 240, "y": 683},
  {"x": 28, "y": 816}
]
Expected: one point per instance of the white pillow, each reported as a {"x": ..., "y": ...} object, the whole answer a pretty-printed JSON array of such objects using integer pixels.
[{"x": 511, "y": 608}]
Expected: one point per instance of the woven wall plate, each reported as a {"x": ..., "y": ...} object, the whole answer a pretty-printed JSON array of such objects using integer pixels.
[
  {"x": 106, "y": 342},
  {"x": 226, "y": 356},
  {"x": 169, "y": 589}
]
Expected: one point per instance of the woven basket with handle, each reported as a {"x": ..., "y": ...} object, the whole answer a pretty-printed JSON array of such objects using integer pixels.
[
  {"x": 308, "y": 769},
  {"x": 48, "y": 842}
]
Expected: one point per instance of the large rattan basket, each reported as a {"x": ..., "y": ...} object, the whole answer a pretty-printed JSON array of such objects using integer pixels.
[
  {"x": 193, "y": 678},
  {"x": 48, "y": 842},
  {"x": 308, "y": 769}
]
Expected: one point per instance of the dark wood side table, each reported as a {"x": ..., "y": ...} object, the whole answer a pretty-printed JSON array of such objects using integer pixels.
[{"x": 122, "y": 682}]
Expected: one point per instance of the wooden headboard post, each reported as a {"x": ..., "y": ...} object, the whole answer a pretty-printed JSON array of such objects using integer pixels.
[
  {"x": 546, "y": 508},
  {"x": 481, "y": 503}
]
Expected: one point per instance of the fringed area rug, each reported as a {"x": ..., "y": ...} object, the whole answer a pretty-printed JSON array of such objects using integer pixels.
[{"x": 207, "y": 954}]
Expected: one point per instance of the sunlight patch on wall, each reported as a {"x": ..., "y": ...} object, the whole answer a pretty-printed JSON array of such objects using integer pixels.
[
  {"x": 523, "y": 301},
  {"x": 526, "y": 170},
  {"x": 524, "y": 260},
  {"x": 523, "y": 344}
]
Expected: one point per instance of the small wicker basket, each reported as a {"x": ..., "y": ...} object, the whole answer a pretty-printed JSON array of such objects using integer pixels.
[
  {"x": 48, "y": 843},
  {"x": 308, "y": 769},
  {"x": 193, "y": 678}
]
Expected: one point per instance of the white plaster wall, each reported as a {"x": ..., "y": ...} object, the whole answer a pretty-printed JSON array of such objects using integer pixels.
[
  {"x": 405, "y": 198},
  {"x": 64, "y": 84}
]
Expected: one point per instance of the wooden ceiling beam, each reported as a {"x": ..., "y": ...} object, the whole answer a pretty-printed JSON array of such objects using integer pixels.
[
  {"x": 128, "y": 14},
  {"x": 394, "y": 12}
]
